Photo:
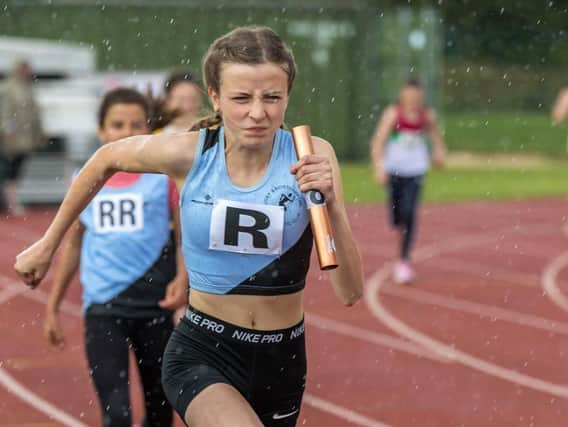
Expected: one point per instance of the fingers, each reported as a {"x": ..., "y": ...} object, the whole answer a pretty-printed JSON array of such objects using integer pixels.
[
  {"x": 171, "y": 303},
  {"x": 166, "y": 303},
  {"x": 31, "y": 280},
  {"x": 54, "y": 336},
  {"x": 27, "y": 278},
  {"x": 312, "y": 159},
  {"x": 56, "y": 339},
  {"x": 322, "y": 168},
  {"x": 167, "y": 300},
  {"x": 314, "y": 172},
  {"x": 316, "y": 182},
  {"x": 29, "y": 272},
  {"x": 439, "y": 159},
  {"x": 175, "y": 298},
  {"x": 381, "y": 177},
  {"x": 32, "y": 263}
]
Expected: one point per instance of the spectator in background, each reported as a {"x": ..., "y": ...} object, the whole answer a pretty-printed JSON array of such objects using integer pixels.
[
  {"x": 20, "y": 129},
  {"x": 183, "y": 101}
]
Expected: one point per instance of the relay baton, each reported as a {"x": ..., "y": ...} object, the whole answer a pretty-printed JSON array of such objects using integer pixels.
[{"x": 315, "y": 201}]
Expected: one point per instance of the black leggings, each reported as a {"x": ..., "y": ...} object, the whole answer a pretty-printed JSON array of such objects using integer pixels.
[
  {"x": 107, "y": 341},
  {"x": 404, "y": 193}
]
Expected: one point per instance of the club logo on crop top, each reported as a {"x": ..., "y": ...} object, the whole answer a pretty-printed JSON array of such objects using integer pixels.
[
  {"x": 118, "y": 212},
  {"x": 289, "y": 198},
  {"x": 246, "y": 227}
]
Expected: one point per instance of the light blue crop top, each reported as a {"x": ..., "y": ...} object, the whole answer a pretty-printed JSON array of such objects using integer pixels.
[
  {"x": 255, "y": 240},
  {"x": 126, "y": 229}
]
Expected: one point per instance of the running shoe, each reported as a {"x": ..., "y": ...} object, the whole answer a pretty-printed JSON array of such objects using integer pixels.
[{"x": 403, "y": 273}]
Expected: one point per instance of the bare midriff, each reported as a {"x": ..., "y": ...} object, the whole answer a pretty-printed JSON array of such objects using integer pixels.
[{"x": 264, "y": 313}]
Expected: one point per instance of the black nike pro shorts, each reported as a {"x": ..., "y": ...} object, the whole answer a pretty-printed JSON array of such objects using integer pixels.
[{"x": 267, "y": 367}]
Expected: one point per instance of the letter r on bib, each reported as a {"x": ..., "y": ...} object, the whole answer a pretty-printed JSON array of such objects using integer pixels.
[
  {"x": 118, "y": 212},
  {"x": 246, "y": 227}
]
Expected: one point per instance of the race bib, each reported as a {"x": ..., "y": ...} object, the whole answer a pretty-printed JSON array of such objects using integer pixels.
[
  {"x": 118, "y": 213},
  {"x": 246, "y": 228}
]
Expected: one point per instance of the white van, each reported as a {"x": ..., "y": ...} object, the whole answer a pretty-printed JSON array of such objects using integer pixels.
[{"x": 68, "y": 100}]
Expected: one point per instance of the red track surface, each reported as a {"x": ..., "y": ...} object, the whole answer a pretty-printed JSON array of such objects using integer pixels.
[{"x": 481, "y": 339}]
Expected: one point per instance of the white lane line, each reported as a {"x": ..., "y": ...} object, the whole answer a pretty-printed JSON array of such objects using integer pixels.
[
  {"x": 311, "y": 400},
  {"x": 37, "y": 295},
  {"x": 315, "y": 320},
  {"x": 493, "y": 312},
  {"x": 337, "y": 410},
  {"x": 372, "y": 337},
  {"x": 489, "y": 272},
  {"x": 372, "y": 298},
  {"x": 341, "y": 412},
  {"x": 75, "y": 310},
  {"x": 466, "y": 241},
  {"x": 12, "y": 287},
  {"x": 549, "y": 274},
  {"x": 7, "y": 294},
  {"x": 373, "y": 301},
  {"x": 37, "y": 402}
]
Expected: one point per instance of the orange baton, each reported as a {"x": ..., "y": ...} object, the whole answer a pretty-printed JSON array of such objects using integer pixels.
[{"x": 321, "y": 229}]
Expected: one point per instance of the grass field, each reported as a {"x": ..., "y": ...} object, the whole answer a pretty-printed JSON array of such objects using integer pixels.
[
  {"x": 502, "y": 138},
  {"x": 467, "y": 183},
  {"x": 505, "y": 132}
]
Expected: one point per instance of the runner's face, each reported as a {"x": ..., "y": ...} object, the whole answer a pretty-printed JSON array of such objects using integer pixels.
[
  {"x": 252, "y": 101},
  {"x": 411, "y": 97},
  {"x": 122, "y": 121},
  {"x": 185, "y": 98}
]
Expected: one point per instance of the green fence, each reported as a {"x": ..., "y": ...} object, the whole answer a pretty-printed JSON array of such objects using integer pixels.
[{"x": 349, "y": 68}]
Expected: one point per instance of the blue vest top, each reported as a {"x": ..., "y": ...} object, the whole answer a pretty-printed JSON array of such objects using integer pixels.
[
  {"x": 126, "y": 230},
  {"x": 254, "y": 240}
]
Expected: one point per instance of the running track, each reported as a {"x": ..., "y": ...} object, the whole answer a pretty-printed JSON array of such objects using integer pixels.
[{"x": 481, "y": 339}]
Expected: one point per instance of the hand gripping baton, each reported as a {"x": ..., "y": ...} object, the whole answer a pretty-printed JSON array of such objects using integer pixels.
[{"x": 315, "y": 201}]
